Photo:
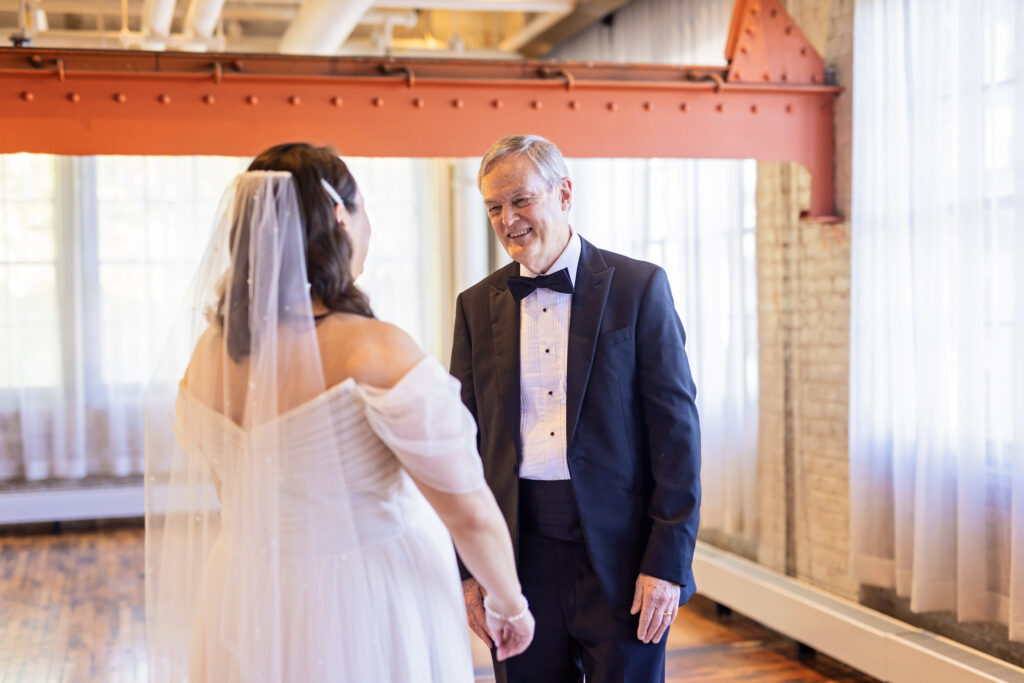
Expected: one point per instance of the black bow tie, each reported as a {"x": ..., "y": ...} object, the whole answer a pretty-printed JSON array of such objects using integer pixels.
[{"x": 521, "y": 287}]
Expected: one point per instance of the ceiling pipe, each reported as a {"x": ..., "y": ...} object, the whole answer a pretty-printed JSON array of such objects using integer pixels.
[
  {"x": 201, "y": 18},
  {"x": 156, "y": 23},
  {"x": 100, "y": 39},
  {"x": 321, "y": 26},
  {"x": 481, "y": 5}
]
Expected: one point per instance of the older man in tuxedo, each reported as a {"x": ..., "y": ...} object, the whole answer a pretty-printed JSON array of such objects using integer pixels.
[{"x": 571, "y": 360}]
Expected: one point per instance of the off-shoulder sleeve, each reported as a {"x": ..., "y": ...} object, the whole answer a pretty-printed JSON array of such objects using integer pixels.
[{"x": 424, "y": 422}]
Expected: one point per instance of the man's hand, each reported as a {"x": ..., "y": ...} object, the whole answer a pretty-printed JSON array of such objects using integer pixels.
[
  {"x": 657, "y": 601},
  {"x": 475, "y": 615}
]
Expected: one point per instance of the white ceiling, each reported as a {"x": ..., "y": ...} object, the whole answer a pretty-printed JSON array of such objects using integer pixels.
[{"x": 437, "y": 28}]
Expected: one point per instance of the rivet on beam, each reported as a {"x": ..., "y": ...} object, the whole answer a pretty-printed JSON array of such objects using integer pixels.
[
  {"x": 574, "y": 105},
  {"x": 208, "y": 99},
  {"x": 74, "y": 97},
  {"x": 753, "y": 109},
  {"x": 612, "y": 106},
  {"x": 789, "y": 29},
  {"x": 458, "y": 103},
  {"x": 736, "y": 74},
  {"x": 648, "y": 106},
  {"x": 419, "y": 103},
  {"x": 814, "y": 78},
  {"x": 497, "y": 104},
  {"x": 773, "y": 13},
  {"x": 252, "y": 99},
  {"x": 537, "y": 104},
  {"x": 120, "y": 98},
  {"x": 744, "y": 49},
  {"x": 27, "y": 95},
  {"x": 789, "y": 108},
  {"x": 683, "y": 107},
  {"x": 294, "y": 100},
  {"x": 720, "y": 107},
  {"x": 784, "y": 78},
  {"x": 336, "y": 101},
  {"x": 767, "y": 76},
  {"x": 164, "y": 98},
  {"x": 803, "y": 51},
  {"x": 750, "y": 30},
  {"x": 378, "y": 101},
  {"x": 36, "y": 61}
]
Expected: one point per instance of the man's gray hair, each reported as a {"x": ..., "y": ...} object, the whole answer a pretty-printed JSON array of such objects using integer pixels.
[{"x": 543, "y": 154}]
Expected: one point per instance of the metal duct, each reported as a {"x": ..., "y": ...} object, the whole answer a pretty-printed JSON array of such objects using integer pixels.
[
  {"x": 321, "y": 26},
  {"x": 156, "y": 22},
  {"x": 202, "y": 17}
]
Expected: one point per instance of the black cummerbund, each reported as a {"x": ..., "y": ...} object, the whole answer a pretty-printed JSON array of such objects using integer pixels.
[{"x": 548, "y": 509}]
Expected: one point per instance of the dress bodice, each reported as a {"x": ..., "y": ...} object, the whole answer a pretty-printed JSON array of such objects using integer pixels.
[{"x": 341, "y": 456}]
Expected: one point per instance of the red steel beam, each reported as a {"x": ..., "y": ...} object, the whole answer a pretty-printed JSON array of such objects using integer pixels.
[{"x": 91, "y": 102}]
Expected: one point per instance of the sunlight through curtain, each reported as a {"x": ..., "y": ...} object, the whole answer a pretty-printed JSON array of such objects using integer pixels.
[
  {"x": 96, "y": 254},
  {"x": 937, "y": 310}
]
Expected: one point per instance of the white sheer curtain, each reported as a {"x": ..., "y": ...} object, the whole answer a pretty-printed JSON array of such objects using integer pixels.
[
  {"x": 95, "y": 257},
  {"x": 30, "y": 354},
  {"x": 937, "y": 348},
  {"x": 101, "y": 250},
  {"x": 695, "y": 218}
]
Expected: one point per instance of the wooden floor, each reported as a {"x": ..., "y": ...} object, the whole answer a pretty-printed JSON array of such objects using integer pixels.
[{"x": 71, "y": 610}]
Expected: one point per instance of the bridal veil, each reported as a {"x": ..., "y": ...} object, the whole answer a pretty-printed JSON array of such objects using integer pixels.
[{"x": 221, "y": 491}]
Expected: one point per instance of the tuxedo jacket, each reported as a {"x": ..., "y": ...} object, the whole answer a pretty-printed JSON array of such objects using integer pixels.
[{"x": 632, "y": 434}]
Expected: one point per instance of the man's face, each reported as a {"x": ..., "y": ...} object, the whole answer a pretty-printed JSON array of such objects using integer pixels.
[{"x": 530, "y": 219}]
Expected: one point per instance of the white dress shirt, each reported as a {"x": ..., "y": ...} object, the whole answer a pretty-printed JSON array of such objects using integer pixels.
[{"x": 543, "y": 351}]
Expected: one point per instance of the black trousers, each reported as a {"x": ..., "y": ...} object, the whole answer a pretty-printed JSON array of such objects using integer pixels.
[{"x": 577, "y": 634}]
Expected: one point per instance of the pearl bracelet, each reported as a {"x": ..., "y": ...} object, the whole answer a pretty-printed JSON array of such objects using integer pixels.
[{"x": 516, "y": 617}]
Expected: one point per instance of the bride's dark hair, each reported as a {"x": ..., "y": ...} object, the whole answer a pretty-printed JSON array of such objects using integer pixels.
[{"x": 328, "y": 248}]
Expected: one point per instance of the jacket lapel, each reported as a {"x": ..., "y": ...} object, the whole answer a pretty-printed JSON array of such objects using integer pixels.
[
  {"x": 505, "y": 331},
  {"x": 593, "y": 280}
]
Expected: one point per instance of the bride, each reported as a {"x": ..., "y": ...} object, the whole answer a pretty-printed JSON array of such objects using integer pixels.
[{"x": 304, "y": 477}]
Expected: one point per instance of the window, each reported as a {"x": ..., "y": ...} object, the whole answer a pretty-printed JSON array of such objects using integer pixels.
[
  {"x": 29, "y": 319},
  {"x": 96, "y": 254}
]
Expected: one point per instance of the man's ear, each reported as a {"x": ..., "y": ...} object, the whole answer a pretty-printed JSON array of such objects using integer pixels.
[
  {"x": 565, "y": 193},
  {"x": 340, "y": 214}
]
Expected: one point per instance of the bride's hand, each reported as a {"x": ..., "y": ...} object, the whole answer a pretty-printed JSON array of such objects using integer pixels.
[{"x": 513, "y": 634}]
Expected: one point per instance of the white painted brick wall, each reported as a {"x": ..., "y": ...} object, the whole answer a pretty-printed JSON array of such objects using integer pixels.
[{"x": 804, "y": 290}]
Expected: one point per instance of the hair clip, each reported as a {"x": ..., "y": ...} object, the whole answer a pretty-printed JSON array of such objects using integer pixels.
[{"x": 331, "y": 191}]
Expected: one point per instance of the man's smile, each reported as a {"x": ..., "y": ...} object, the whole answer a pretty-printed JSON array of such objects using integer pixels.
[{"x": 521, "y": 233}]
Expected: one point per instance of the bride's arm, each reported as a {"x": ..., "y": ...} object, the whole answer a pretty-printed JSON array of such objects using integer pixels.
[
  {"x": 380, "y": 355},
  {"x": 481, "y": 537}
]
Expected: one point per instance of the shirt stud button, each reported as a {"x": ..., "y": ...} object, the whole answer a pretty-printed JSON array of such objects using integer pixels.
[
  {"x": 552, "y": 433},
  {"x": 547, "y": 350},
  {"x": 551, "y": 393}
]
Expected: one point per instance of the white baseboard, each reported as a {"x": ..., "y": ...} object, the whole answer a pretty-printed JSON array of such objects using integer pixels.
[
  {"x": 869, "y": 641},
  {"x": 66, "y": 504}
]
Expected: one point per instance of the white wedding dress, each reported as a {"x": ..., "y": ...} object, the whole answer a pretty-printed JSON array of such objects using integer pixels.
[
  {"x": 382, "y": 604},
  {"x": 285, "y": 539}
]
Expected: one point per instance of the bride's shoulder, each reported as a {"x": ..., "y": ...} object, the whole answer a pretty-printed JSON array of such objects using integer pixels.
[
  {"x": 370, "y": 351},
  {"x": 205, "y": 355}
]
